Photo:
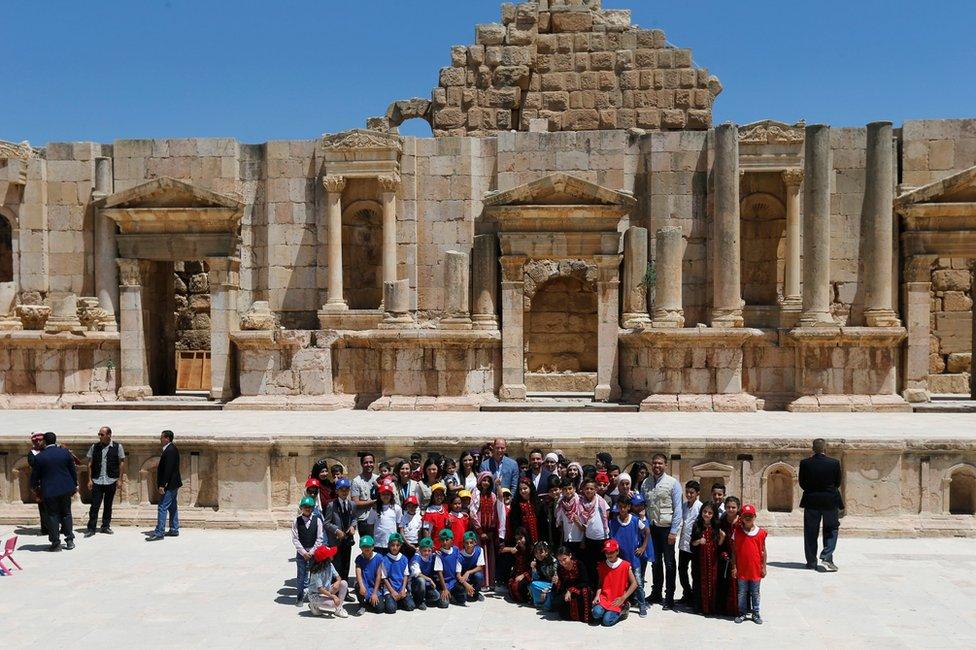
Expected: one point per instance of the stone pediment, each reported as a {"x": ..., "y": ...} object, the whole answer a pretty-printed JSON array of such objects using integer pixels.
[
  {"x": 771, "y": 132},
  {"x": 166, "y": 192},
  {"x": 943, "y": 196},
  {"x": 560, "y": 189},
  {"x": 362, "y": 139}
]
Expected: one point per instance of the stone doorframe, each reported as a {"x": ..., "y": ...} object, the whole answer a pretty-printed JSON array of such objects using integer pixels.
[
  {"x": 938, "y": 220},
  {"x": 559, "y": 217},
  {"x": 166, "y": 220}
]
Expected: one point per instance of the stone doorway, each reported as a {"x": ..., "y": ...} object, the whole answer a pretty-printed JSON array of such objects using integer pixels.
[
  {"x": 191, "y": 314},
  {"x": 362, "y": 260}
]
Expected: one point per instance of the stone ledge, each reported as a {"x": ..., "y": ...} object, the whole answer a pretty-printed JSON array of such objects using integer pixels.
[
  {"x": 432, "y": 338},
  {"x": 860, "y": 336},
  {"x": 730, "y": 403},
  {"x": 41, "y": 339},
  {"x": 689, "y": 336},
  {"x": 431, "y": 403},
  {"x": 291, "y": 403},
  {"x": 849, "y": 404}
]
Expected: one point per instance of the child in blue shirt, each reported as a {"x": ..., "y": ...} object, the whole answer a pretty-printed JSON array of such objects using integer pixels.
[
  {"x": 631, "y": 536},
  {"x": 369, "y": 575},
  {"x": 448, "y": 568},
  {"x": 423, "y": 577},
  {"x": 396, "y": 577},
  {"x": 472, "y": 573}
]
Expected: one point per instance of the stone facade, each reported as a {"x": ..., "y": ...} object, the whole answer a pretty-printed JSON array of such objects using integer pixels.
[{"x": 576, "y": 225}]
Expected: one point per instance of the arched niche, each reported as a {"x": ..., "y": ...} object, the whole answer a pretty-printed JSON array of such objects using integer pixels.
[
  {"x": 778, "y": 489},
  {"x": 9, "y": 261},
  {"x": 362, "y": 254},
  {"x": 959, "y": 490},
  {"x": 763, "y": 233}
]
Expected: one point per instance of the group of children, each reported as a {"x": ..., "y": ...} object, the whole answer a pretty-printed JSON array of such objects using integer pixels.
[{"x": 574, "y": 539}]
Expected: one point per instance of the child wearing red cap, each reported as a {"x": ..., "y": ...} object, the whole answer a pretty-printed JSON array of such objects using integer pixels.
[
  {"x": 312, "y": 487},
  {"x": 387, "y": 517},
  {"x": 615, "y": 585},
  {"x": 326, "y": 591},
  {"x": 749, "y": 541}
]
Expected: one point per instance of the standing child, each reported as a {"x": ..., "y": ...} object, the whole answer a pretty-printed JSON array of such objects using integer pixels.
[
  {"x": 423, "y": 577},
  {"x": 306, "y": 536},
  {"x": 706, "y": 538},
  {"x": 410, "y": 524},
  {"x": 369, "y": 576},
  {"x": 630, "y": 535},
  {"x": 472, "y": 574},
  {"x": 603, "y": 486},
  {"x": 718, "y": 498},
  {"x": 594, "y": 516},
  {"x": 387, "y": 517},
  {"x": 568, "y": 517},
  {"x": 749, "y": 541},
  {"x": 396, "y": 577},
  {"x": 727, "y": 592},
  {"x": 326, "y": 591},
  {"x": 616, "y": 584},
  {"x": 435, "y": 515},
  {"x": 689, "y": 515},
  {"x": 448, "y": 568},
  {"x": 637, "y": 508},
  {"x": 458, "y": 519},
  {"x": 340, "y": 526},
  {"x": 487, "y": 518}
]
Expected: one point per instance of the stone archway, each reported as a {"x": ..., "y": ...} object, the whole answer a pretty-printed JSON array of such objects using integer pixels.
[
  {"x": 362, "y": 260},
  {"x": 561, "y": 326},
  {"x": 778, "y": 491}
]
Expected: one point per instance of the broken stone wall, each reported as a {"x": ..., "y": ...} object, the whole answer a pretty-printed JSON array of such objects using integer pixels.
[{"x": 192, "y": 305}]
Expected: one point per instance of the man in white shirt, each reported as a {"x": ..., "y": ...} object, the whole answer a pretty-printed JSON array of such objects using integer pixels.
[
  {"x": 106, "y": 472},
  {"x": 689, "y": 514},
  {"x": 362, "y": 494}
]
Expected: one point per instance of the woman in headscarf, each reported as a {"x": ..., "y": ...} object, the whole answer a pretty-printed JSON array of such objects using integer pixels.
[
  {"x": 574, "y": 472},
  {"x": 488, "y": 517}
]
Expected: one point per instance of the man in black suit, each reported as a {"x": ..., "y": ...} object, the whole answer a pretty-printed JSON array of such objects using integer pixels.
[
  {"x": 820, "y": 478},
  {"x": 168, "y": 482},
  {"x": 55, "y": 480}
]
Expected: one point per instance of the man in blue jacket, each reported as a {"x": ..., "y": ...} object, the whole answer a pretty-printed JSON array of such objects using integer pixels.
[{"x": 55, "y": 480}]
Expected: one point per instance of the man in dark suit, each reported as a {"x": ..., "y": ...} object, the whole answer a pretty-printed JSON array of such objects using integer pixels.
[
  {"x": 55, "y": 480},
  {"x": 168, "y": 482},
  {"x": 820, "y": 478}
]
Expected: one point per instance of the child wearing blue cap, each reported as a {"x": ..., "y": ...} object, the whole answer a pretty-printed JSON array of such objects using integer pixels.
[
  {"x": 631, "y": 538},
  {"x": 340, "y": 526}
]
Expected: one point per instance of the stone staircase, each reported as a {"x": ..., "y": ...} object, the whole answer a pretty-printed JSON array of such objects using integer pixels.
[
  {"x": 946, "y": 403},
  {"x": 560, "y": 402},
  {"x": 184, "y": 401}
]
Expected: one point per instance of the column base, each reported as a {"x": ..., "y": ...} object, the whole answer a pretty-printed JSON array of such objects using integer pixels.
[
  {"x": 512, "y": 393},
  {"x": 634, "y": 320},
  {"x": 881, "y": 318},
  {"x": 484, "y": 322},
  {"x": 727, "y": 318},
  {"x": 668, "y": 318},
  {"x": 455, "y": 323},
  {"x": 58, "y": 326},
  {"x": 817, "y": 319},
  {"x": 332, "y": 307},
  {"x": 395, "y": 322},
  {"x": 606, "y": 392},
  {"x": 128, "y": 393},
  {"x": 10, "y": 323},
  {"x": 790, "y": 310}
]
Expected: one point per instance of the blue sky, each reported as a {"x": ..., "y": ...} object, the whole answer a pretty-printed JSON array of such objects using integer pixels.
[{"x": 295, "y": 69}]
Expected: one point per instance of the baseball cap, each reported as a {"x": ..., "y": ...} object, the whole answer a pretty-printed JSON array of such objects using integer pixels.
[
  {"x": 464, "y": 493},
  {"x": 438, "y": 486},
  {"x": 343, "y": 483},
  {"x": 446, "y": 534},
  {"x": 471, "y": 535},
  {"x": 385, "y": 488},
  {"x": 312, "y": 482},
  {"x": 366, "y": 541},
  {"x": 637, "y": 499},
  {"x": 748, "y": 509},
  {"x": 426, "y": 543},
  {"x": 411, "y": 500},
  {"x": 306, "y": 502},
  {"x": 395, "y": 537},
  {"x": 325, "y": 552},
  {"x": 611, "y": 546}
]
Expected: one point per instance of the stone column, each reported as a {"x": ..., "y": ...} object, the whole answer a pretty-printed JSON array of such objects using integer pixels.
[
  {"x": 607, "y": 308},
  {"x": 396, "y": 302},
  {"x": 133, "y": 351},
  {"x": 64, "y": 314},
  {"x": 635, "y": 270},
  {"x": 816, "y": 227},
  {"x": 333, "y": 201},
  {"x": 669, "y": 248},
  {"x": 878, "y": 211},
  {"x": 726, "y": 288},
  {"x": 792, "y": 299},
  {"x": 389, "y": 185},
  {"x": 457, "y": 312},
  {"x": 918, "y": 308},
  {"x": 106, "y": 268},
  {"x": 513, "y": 305},
  {"x": 485, "y": 280},
  {"x": 224, "y": 319}
]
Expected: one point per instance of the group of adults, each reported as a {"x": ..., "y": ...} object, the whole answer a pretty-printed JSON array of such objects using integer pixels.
[{"x": 54, "y": 482}]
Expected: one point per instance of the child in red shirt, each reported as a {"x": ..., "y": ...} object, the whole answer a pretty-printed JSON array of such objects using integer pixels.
[
  {"x": 749, "y": 541},
  {"x": 615, "y": 585}
]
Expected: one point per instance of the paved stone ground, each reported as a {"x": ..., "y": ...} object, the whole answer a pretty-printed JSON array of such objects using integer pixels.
[
  {"x": 554, "y": 426},
  {"x": 223, "y": 589}
]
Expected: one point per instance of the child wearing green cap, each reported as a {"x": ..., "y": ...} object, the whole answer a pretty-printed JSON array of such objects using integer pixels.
[
  {"x": 448, "y": 568},
  {"x": 423, "y": 577},
  {"x": 369, "y": 575},
  {"x": 396, "y": 577},
  {"x": 306, "y": 535},
  {"x": 472, "y": 574}
]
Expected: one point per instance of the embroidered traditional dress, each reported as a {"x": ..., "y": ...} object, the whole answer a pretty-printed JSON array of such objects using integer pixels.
[
  {"x": 707, "y": 570},
  {"x": 574, "y": 581}
]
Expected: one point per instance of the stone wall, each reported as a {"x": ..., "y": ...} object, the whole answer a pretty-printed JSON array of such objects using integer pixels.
[
  {"x": 573, "y": 66},
  {"x": 192, "y": 301},
  {"x": 934, "y": 149},
  {"x": 951, "y": 325}
]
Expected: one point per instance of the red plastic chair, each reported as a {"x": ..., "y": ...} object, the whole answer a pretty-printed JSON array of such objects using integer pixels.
[{"x": 8, "y": 554}]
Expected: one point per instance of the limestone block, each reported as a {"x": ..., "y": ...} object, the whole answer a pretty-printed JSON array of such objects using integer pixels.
[
  {"x": 956, "y": 383},
  {"x": 571, "y": 21},
  {"x": 956, "y": 301},
  {"x": 951, "y": 280},
  {"x": 957, "y": 362},
  {"x": 936, "y": 363}
]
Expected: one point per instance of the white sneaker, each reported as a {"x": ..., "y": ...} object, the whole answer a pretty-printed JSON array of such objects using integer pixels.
[
  {"x": 341, "y": 612},
  {"x": 361, "y": 611},
  {"x": 829, "y": 566}
]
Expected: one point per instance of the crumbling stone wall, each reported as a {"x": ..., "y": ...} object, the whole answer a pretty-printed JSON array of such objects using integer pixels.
[
  {"x": 572, "y": 64},
  {"x": 951, "y": 342},
  {"x": 192, "y": 305}
]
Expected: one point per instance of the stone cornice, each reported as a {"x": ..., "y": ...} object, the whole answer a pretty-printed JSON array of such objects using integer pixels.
[
  {"x": 771, "y": 132},
  {"x": 362, "y": 139}
]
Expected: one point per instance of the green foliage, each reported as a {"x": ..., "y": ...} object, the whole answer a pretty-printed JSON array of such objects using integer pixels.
[{"x": 650, "y": 276}]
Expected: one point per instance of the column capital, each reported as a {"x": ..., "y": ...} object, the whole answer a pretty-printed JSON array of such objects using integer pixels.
[
  {"x": 132, "y": 271},
  {"x": 512, "y": 268},
  {"x": 224, "y": 270},
  {"x": 792, "y": 177},
  {"x": 389, "y": 182},
  {"x": 333, "y": 183}
]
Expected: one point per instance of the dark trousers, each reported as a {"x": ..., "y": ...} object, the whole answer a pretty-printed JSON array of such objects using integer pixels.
[
  {"x": 424, "y": 592},
  {"x": 342, "y": 558},
  {"x": 663, "y": 569},
  {"x": 42, "y": 511},
  {"x": 99, "y": 494},
  {"x": 59, "y": 518},
  {"x": 686, "y": 561},
  {"x": 592, "y": 553},
  {"x": 364, "y": 529},
  {"x": 811, "y": 528}
]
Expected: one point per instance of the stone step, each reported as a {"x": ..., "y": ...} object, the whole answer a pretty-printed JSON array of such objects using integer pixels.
[
  {"x": 946, "y": 406},
  {"x": 559, "y": 405},
  {"x": 160, "y": 403}
]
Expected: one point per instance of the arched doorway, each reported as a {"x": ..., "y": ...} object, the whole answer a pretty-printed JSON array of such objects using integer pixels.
[
  {"x": 561, "y": 337},
  {"x": 8, "y": 279},
  {"x": 763, "y": 232},
  {"x": 362, "y": 256}
]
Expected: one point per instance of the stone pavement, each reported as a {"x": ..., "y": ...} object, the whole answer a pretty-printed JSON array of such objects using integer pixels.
[
  {"x": 222, "y": 589},
  {"x": 484, "y": 426}
]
